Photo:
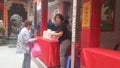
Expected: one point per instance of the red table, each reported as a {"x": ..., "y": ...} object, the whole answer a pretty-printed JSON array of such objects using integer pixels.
[
  {"x": 101, "y": 58},
  {"x": 49, "y": 51}
]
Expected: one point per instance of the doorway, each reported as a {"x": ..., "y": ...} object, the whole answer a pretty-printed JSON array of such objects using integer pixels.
[{"x": 16, "y": 14}]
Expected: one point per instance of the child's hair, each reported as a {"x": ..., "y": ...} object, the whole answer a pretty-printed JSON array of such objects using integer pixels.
[{"x": 28, "y": 23}]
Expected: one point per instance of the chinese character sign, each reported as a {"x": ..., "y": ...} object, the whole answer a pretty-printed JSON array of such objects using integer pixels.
[{"x": 86, "y": 14}]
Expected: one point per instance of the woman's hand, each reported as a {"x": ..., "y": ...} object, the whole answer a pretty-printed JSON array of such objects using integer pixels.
[
  {"x": 59, "y": 34},
  {"x": 32, "y": 39}
]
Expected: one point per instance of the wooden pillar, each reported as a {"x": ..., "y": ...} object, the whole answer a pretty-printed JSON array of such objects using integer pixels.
[
  {"x": 6, "y": 20},
  {"x": 90, "y": 25},
  {"x": 35, "y": 14},
  {"x": 63, "y": 8},
  {"x": 44, "y": 16},
  {"x": 78, "y": 34}
]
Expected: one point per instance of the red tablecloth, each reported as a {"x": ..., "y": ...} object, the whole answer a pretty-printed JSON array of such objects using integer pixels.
[
  {"x": 49, "y": 51},
  {"x": 101, "y": 58}
]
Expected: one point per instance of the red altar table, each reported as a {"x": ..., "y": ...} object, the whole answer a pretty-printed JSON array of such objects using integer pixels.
[
  {"x": 49, "y": 51},
  {"x": 101, "y": 58}
]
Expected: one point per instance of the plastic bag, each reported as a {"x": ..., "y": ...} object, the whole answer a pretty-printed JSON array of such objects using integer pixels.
[{"x": 36, "y": 50}]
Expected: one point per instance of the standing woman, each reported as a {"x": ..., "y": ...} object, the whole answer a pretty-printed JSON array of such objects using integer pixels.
[
  {"x": 23, "y": 42},
  {"x": 64, "y": 39}
]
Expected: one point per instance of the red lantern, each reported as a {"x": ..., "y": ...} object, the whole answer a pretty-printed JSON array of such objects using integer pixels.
[{"x": 1, "y": 5}]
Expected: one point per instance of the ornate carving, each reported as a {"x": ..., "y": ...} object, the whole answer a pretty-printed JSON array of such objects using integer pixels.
[{"x": 8, "y": 3}]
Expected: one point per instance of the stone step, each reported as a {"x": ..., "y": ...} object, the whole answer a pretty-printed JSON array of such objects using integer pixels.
[
  {"x": 12, "y": 41},
  {"x": 11, "y": 45},
  {"x": 39, "y": 63}
]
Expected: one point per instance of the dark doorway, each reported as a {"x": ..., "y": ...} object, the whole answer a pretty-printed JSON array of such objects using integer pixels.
[{"x": 16, "y": 9}]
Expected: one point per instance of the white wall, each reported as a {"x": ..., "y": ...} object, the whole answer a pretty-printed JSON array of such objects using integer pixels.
[{"x": 110, "y": 39}]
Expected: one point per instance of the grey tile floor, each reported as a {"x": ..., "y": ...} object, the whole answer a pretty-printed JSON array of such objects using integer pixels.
[{"x": 9, "y": 58}]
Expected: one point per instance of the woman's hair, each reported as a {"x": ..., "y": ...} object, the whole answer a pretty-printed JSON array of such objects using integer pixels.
[
  {"x": 66, "y": 22},
  {"x": 60, "y": 16},
  {"x": 28, "y": 23}
]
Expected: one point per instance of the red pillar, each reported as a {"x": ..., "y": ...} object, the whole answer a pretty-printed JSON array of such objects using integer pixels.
[
  {"x": 90, "y": 27},
  {"x": 91, "y": 33},
  {"x": 44, "y": 15}
]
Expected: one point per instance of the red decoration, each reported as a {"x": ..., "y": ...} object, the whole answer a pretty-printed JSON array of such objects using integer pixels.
[{"x": 1, "y": 5}]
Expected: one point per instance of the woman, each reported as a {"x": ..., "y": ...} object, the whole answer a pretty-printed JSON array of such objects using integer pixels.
[
  {"x": 64, "y": 39},
  {"x": 23, "y": 42}
]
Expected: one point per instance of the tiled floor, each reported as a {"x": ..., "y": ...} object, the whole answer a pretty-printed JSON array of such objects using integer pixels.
[{"x": 9, "y": 58}]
